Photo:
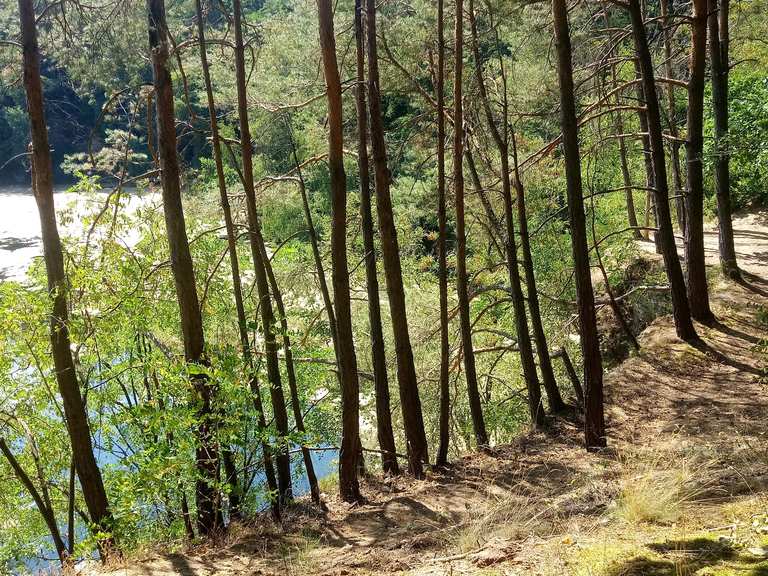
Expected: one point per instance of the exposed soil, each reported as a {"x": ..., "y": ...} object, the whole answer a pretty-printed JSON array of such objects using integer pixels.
[{"x": 543, "y": 505}]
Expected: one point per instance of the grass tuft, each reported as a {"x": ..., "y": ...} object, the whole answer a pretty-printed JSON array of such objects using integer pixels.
[
  {"x": 329, "y": 484},
  {"x": 659, "y": 491},
  {"x": 512, "y": 517}
]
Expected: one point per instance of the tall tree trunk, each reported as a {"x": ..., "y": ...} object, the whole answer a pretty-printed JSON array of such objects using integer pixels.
[
  {"x": 314, "y": 243},
  {"x": 231, "y": 480},
  {"x": 207, "y": 455},
  {"x": 262, "y": 284},
  {"x": 71, "y": 500},
  {"x": 494, "y": 225},
  {"x": 348, "y": 458},
  {"x": 229, "y": 466},
  {"x": 556, "y": 403},
  {"x": 383, "y": 412},
  {"x": 626, "y": 178},
  {"x": 677, "y": 180},
  {"x": 442, "y": 247},
  {"x": 242, "y": 322},
  {"x": 650, "y": 205},
  {"x": 406, "y": 371},
  {"x": 501, "y": 138},
  {"x": 718, "y": 57},
  {"x": 554, "y": 398},
  {"x": 647, "y": 154},
  {"x": 328, "y": 304},
  {"x": 266, "y": 449},
  {"x": 470, "y": 371},
  {"x": 75, "y": 409},
  {"x": 696, "y": 270},
  {"x": 625, "y": 174},
  {"x": 680, "y": 308},
  {"x": 594, "y": 420},
  {"x": 186, "y": 515},
  {"x": 290, "y": 369}
]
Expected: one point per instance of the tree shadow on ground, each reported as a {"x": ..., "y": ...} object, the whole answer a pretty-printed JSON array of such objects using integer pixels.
[
  {"x": 718, "y": 356},
  {"x": 751, "y": 234},
  {"x": 753, "y": 283},
  {"x": 182, "y": 566},
  {"x": 731, "y": 331},
  {"x": 687, "y": 557}
]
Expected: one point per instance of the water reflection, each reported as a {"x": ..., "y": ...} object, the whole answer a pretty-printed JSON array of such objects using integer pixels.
[{"x": 20, "y": 240}]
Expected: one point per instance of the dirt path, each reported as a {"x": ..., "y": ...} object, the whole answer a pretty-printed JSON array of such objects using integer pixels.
[
  {"x": 683, "y": 488},
  {"x": 750, "y": 240}
]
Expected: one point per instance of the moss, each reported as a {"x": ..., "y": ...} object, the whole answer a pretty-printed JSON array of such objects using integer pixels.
[
  {"x": 700, "y": 555},
  {"x": 599, "y": 558}
]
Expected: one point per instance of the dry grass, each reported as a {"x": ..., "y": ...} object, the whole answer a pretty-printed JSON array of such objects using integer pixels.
[
  {"x": 661, "y": 489},
  {"x": 510, "y": 518}
]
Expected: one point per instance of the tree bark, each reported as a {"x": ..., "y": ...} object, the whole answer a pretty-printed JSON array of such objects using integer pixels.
[
  {"x": 231, "y": 480},
  {"x": 231, "y": 471},
  {"x": 696, "y": 270},
  {"x": 677, "y": 180},
  {"x": 647, "y": 155},
  {"x": 183, "y": 272},
  {"x": 314, "y": 243},
  {"x": 627, "y": 180},
  {"x": 328, "y": 304},
  {"x": 186, "y": 516},
  {"x": 242, "y": 322},
  {"x": 266, "y": 449},
  {"x": 71, "y": 499},
  {"x": 290, "y": 369},
  {"x": 470, "y": 371},
  {"x": 501, "y": 139},
  {"x": 554, "y": 398},
  {"x": 262, "y": 284},
  {"x": 718, "y": 57},
  {"x": 75, "y": 410},
  {"x": 442, "y": 247},
  {"x": 680, "y": 308},
  {"x": 625, "y": 174},
  {"x": 348, "y": 457},
  {"x": 494, "y": 225},
  {"x": 594, "y": 419},
  {"x": 572, "y": 376},
  {"x": 406, "y": 371},
  {"x": 384, "y": 430}
]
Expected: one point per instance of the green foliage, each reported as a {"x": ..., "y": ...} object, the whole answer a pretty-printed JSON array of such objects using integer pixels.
[
  {"x": 748, "y": 137},
  {"x": 125, "y": 323}
]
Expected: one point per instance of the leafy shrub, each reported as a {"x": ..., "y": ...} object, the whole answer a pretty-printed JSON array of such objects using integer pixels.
[{"x": 748, "y": 127}]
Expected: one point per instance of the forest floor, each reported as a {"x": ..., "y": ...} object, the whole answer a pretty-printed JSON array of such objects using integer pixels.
[{"x": 682, "y": 490}]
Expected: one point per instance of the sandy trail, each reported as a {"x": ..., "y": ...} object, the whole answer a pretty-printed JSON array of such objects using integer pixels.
[
  {"x": 751, "y": 242},
  {"x": 750, "y": 231}
]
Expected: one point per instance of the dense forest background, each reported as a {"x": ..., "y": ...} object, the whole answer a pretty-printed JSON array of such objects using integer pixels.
[{"x": 146, "y": 402}]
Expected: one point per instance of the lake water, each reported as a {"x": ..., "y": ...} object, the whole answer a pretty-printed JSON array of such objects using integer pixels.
[
  {"x": 20, "y": 240},
  {"x": 20, "y": 244},
  {"x": 45, "y": 562},
  {"x": 19, "y": 231}
]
